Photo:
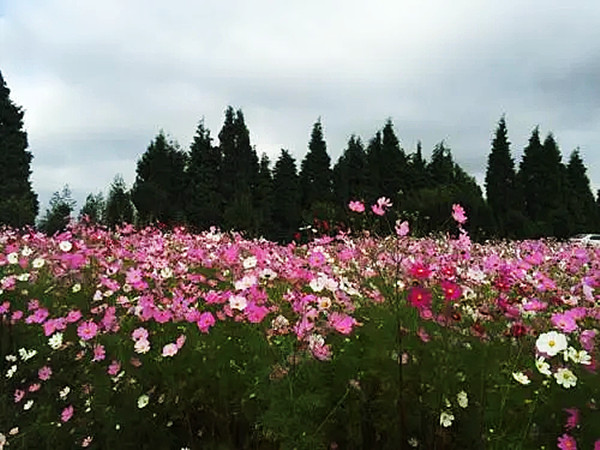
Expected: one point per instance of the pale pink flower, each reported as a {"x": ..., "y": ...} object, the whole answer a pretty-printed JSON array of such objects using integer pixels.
[
  {"x": 139, "y": 333},
  {"x": 142, "y": 346},
  {"x": 34, "y": 387},
  {"x": 356, "y": 206},
  {"x": 44, "y": 373},
  {"x": 99, "y": 353},
  {"x": 180, "y": 341},
  {"x": 19, "y": 394},
  {"x": 169, "y": 350},
  {"x": 401, "y": 228},
  {"x": 114, "y": 368}
]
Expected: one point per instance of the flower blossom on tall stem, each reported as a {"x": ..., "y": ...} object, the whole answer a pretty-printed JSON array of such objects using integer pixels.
[
  {"x": 566, "y": 442},
  {"x": 379, "y": 208},
  {"x": 356, "y": 206},
  {"x": 458, "y": 214}
]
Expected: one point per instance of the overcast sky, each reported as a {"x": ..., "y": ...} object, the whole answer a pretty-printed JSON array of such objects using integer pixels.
[{"x": 98, "y": 80}]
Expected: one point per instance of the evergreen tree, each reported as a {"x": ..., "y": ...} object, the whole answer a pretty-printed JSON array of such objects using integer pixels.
[
  {"x": 159, "y": 185},
  {"x": 580, "y": 199},
  {"x": 441, "y": 166},
  {"x": 204, "y": 200},
  {"x": 316, "y": 176},
  {"x": 530, "y": 176},
  {"x": 501, "y": 183},
  {"x": 58, "y": 214},
  {"x": 119, "y": 208},
  {"x": 350, "y": 173},
  {"x": 93, "y": 209},
  {"x": 417, "y": 170},
  {"x": 264, "y": 198},
  {"x": 239, "y": 172},
  {"x": 286, "y": 210},
  {"x": 374, "y": 169},
  {"x": 18, "y": 203}
]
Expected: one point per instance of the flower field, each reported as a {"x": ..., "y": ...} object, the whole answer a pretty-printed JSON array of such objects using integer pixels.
[{"x": 152, "y": 339}]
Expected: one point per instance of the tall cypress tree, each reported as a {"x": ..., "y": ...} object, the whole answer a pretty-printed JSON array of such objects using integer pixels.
[
  {"x": 286, "y": 198},
  {"x": 159, "y": 185},
  {"x": 18, "y": 203},
  {"x": 393, "y": 165},
  {"x": 349, "y": 173},
  {"x": 580, "y": 199},
  {"x": 530, "y": 176},
  {"x": 119, "y": 207},
  {"x": 441, "y": 166},
  {"x": 263, "y": 197},
  {"x": 374, "y": 169},
  {"x": 417, "y": 169},
  {"x": 204, "y": 199},
  {"x": 239, "y": 172},
  {"x": 316, "y": 176},
  {"x": 500, "y": 180}
]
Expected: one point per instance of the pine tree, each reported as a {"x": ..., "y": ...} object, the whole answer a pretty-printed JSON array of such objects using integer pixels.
[
  {"x": 500, "y": 181},
  {"x": 239, "y": 172},
  {"x": 159, "y": 185},
  {"x": 316, "y": 176},
  {"x": 263, "y": 197},
  {"x": 287, "y": 196},
  {"x": 530, "y": 176},
  {"x": 580, "y": 199},
  {"x": 58, "y": 214},
  {"x": 119, "y": 208},
  {"x": 374, "y": 169},
  {"x": 393, "y": 163},
  {"x": 18, "y": 203},
  {"x": 417, "y": 169},
  {"x": 93, "y": 209},
  {"x": 441, "y": 166},
  {"x": 350, "y": 173},
  {"x": 204, "y": 200}
]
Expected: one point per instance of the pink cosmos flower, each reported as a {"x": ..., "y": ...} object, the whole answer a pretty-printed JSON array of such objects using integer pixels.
[
  {"x": 573, "y": 418},
  {"x": 34, "y": 387},
  {"x": 356, "y": 206},
  {"x": 419, "y": 270},
  {"x": 139, "y": 333},
  {"x": 73, "y": 316},
  {"x": 564, "y": 322},
  {"x": 44, "y": 373},
  {"x": 342, "y": 323},
  {"x": 423, "y": 335},
  {"x": 419, "y": 297},
  {"x": 205, "y": 322},
  {"x": 567, "y": 442},
  {"x": 401, "y": 228},
  {"x": 180, "y": 341},
  {"x": 142, "y": 346},
  {"x": 87, "y": 330},
  {"x": 458, "y": 213},
  {"x": 99, "y": 353},
  {"x": 452, "y": 291},
  {"x": 169, "y": 350},
  {"x": 114, "y": 368},
  {"x": 586, "y": 338},
  {"x": 19, "y": 394},
  {"x": 597, "y": 445},
  {"x": 256, "y": 313},
  {"x": 66, "y": 414}
]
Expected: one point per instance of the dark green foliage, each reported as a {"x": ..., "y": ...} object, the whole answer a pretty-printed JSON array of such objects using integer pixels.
[
  {"x": 316, "y": 176},
  {"x": 204, "y": 200},
  {"x": 18, "y": 203},
  {"x": 501, "y": 183},
  {"x": 580, "y": 199},
  {"x": 417, "y": 170},
  {"x": 119, "y": 207},
  {"x": 59, "y": 212},
  {"x": 263, "y": 198},
  {"x": 93, "y": 209},
  {"x": 158, "y": 192},
  {"x": 286, "y": 198},
  {"x": 350, "y": 173},
  {"x": 239, "y": 172}
]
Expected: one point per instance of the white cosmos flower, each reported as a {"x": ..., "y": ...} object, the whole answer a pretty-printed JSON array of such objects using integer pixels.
[
  {"x": 250, "y": 262},
  {"x": 12, "y": 258},
  {"x": 462, "y": 399},
  {"x": 26, "y": 251},
  {"x": 542, "y": 366},
  {"x": 55, "y": 341},
  {"x": 65, "y": 246},
  {"x": 551, "y": 343},
  {"x": 521, "y": 377},
  {"x": 446, "y": 419},
  {"x": 238, "y": 302},
  {"x": 565, "y": 378},
  {"x": 38, "y": 263},
  {"x": 28, "y": 405},
  {"x": 142, "y": 401}
]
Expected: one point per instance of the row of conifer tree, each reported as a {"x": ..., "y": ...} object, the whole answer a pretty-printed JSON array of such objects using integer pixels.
[{"x": 228, "y": 186}]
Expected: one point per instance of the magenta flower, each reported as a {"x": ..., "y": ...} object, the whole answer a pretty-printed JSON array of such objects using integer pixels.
[
  {"x": 87, "y": 330},
  {"x": 206, "y": 321},
  {"x": 419, "y": 297},
  {"x": 573, "y": 418},
  {"x": 342, "y": 323},
  {"x": 567, "y": 442},
  {"x": 73, "y": 316},
  {"x": 452, "y": 291},
  {"x": 356, "y": 206},
  {"x": 564, "y": 322},
  {"x": 44, "y": 373},
  {"x": 586, "y": 338},
  {"x": 66, "y": 414},
  {"x": 458, "y": 213}
]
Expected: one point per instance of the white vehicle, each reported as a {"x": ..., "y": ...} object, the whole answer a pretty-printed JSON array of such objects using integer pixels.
[{"x": 586, "y": 239}]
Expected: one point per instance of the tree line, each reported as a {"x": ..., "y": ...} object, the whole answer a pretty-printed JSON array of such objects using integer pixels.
[{"x": 227, "y": 185}]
